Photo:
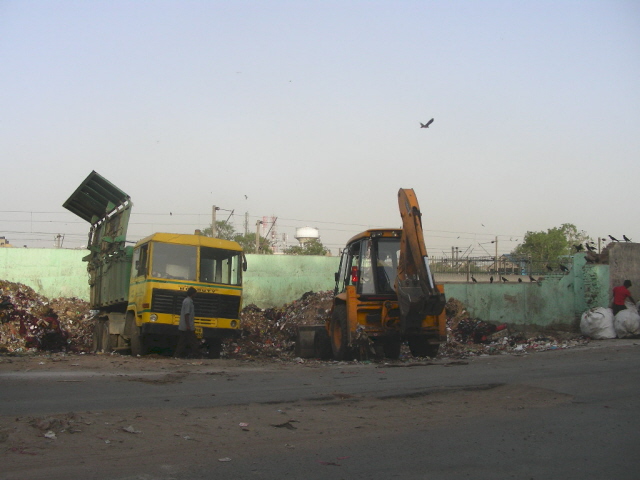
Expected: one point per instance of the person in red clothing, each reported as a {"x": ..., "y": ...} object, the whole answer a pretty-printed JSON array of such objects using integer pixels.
[{"x": 620, "y": 295}]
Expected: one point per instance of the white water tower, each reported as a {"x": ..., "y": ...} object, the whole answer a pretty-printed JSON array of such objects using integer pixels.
[{"x": 306, "y": 234}]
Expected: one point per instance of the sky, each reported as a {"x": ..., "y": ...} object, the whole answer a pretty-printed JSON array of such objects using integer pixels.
[{"x": 310, "y": 112}]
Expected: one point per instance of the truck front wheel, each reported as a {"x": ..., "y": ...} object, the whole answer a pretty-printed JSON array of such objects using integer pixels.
[{"x": 138, "y": 344}]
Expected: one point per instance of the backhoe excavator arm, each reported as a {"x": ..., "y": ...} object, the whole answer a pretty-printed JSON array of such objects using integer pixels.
[{"x": 415, "y": 286}]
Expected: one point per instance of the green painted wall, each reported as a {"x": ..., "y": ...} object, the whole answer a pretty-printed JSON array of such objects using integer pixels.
[
  {"x": 557, "y": 300},
  {"x": 270, "y": 280},
  {"x": 50, "y": 272},
  {"x": 273, "y": 280}
]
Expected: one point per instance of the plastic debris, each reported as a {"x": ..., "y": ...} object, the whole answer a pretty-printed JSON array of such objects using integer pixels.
[
  {"x": 130, "y": 429},
  {"x": 51, "y": 435},
  {"x": 225, "y": 459}
]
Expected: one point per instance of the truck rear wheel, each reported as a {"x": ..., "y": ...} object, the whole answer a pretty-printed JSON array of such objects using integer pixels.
[
  {"x": 340, "y": 333},
  {"x": 421, "y": 347}
]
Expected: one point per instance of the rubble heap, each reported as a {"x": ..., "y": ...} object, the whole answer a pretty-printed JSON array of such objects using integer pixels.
[
  {"x": 271, "y": 332},
  {"x": 467, "y": 336},
  {"x": 32, "y": 322}
]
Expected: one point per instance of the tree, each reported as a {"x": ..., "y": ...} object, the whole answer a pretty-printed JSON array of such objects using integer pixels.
[
  {"x": 548, "y": 247},
  {"x": 248, "y": 243},
  {"x": 224, "y": 230},
  {"x": 311, "y": 247}
]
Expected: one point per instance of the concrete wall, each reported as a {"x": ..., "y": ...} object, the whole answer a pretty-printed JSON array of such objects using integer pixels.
[
  {"x": 558, "y": 300},
  {"x": 50, "y": 272},
  {"x": 270, "y": 280},
  {"x": 273, "y": 280}
]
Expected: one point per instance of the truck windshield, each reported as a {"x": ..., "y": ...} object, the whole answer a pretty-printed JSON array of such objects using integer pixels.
[
  {"x": 220, "y": 266},
  {"x": 174, "y": 261}
]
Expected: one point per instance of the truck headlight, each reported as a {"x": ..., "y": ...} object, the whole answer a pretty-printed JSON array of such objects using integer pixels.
[{"x": 153, "y": 317}]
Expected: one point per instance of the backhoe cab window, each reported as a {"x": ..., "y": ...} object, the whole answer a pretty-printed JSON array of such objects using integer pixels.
[
  {"x": 220, "y": 266},
  {"x": 176, "y": 262}
]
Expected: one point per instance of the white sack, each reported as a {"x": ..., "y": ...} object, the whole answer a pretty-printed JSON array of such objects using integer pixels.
[
  {"x": 627, "y": 322},
  {"x": 597, "y": 323}
]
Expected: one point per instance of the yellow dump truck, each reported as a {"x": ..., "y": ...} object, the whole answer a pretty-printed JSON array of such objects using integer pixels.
[{"x": 137, "y": 291}]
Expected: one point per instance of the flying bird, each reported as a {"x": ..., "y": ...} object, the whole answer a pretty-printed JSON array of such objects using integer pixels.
[
  {"x": 505, "y": 279},
  {"x": 578, "y": 247},
  {"x": 426, "y": 125},
  {"x": 614, "y": 239},
  {"x": 590, "y": 248},
  {"x": 626, "y": 239}
]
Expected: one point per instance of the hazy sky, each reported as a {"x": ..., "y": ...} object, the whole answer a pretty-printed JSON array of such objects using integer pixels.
[{"x": 312, "y": 110}]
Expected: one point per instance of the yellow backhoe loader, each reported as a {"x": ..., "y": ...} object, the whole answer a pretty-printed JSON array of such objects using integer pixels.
[{"x": 385, "y": 294}]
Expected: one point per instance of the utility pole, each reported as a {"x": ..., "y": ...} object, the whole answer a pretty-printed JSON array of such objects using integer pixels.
[
  {"x": 497, "y": 269},
  {"x": 246, "y": 223},
  {"x": 214, "y": 232},
  {"x": 258, "y": 223}
]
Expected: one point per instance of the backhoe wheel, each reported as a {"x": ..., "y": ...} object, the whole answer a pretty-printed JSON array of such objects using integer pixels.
[
  {"x": 340, "y": 333},
  {"x": 138, "y": 343},
  {"x": 392, "y": 348},
  {"x": 322, "y": 345},
  {"x": 420, "y": 346}
]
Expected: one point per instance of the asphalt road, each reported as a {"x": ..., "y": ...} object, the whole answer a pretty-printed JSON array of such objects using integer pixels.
[{"x": 588, "y": 426}]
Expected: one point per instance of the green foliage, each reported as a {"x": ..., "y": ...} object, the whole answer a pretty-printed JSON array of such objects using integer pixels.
[
  {"x": 224, "y": 230},
  {"x": 312, "y": 247},
  {"x": 248, "y": 243},
  {"x": 548, "y": 247}
]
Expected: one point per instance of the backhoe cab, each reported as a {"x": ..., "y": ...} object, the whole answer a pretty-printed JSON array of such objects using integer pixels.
[{"x": 385, "y": 294}]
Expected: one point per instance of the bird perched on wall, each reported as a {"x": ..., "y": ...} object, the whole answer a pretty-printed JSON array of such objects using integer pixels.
[
  {"x": 473, "y": 279},
  {"x": 490, "y": 279},
  {"x": 426, "y": 125},
  {"x": 613, "y": 239},
  {"x": 563, "y": 268},
  {"x": 531, "y": 278},
  {"x": 578, "y": 247},
  {"x": 590, "y": 248},
  {"x": 505, "y": 279},
  {"x": 549, "y": 268},
  {"x": 626, "y": 239},
  {"x": 519, "y": 280}
]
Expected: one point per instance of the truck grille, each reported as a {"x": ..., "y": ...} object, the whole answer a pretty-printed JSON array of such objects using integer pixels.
[{"x": 207, "y": 305}]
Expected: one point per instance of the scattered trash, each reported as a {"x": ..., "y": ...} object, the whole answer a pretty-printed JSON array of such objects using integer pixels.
[
  {"x": 130, "y": 429},
  {"x": 50, "y": 435},
  {"x": 225, "y": 459},
  {"x": 286, "y": 425}
]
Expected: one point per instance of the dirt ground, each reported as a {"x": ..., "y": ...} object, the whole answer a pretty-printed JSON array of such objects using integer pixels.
[{"x": 94, "y": 444}]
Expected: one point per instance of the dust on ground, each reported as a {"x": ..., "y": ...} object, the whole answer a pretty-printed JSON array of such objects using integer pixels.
[{"x": 104, "y": 443}]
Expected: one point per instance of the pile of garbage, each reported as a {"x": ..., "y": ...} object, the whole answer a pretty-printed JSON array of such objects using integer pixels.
[
  {"x": 467, "y": 336},
  {"x": 272, "y": 332},
  {"x": 32, "y": 322}
]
